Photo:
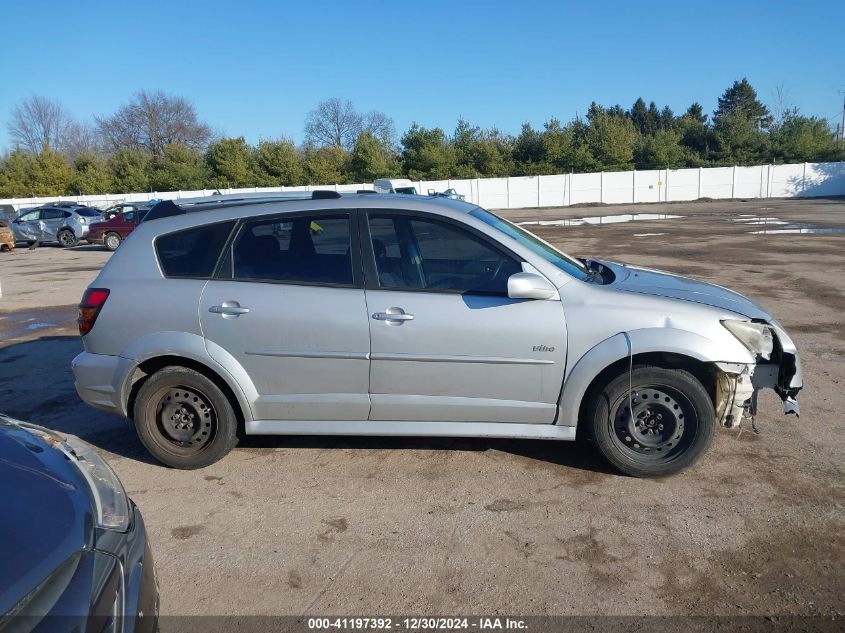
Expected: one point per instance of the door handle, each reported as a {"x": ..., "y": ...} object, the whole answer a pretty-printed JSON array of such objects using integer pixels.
[
  {"x": 229, "y": 309},
  {"x": 393, "y": 314}
]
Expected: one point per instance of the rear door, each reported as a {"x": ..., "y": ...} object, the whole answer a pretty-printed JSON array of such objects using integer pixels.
[
  {"x": 52, "y": 219},
  {"x": 288, "y": 304},
  {"x": 447, "y": 344}
]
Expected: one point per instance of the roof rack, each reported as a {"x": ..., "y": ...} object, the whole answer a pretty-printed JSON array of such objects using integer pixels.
[{"x": 168, "y": 208}]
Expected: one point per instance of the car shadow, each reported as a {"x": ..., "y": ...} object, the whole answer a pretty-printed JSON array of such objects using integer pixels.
[
  {"x": 79, "y": 247},
  {"x": 580, "y": 454},
  {"x": 36, "y": 385}
]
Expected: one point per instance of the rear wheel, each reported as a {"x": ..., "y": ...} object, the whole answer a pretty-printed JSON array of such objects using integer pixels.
[
  {"x": 67, "y": 238},
  {"x": 112, "y": 241},
  {"x": 184, "y": 419},
  {"x": 660, "y": 424}
]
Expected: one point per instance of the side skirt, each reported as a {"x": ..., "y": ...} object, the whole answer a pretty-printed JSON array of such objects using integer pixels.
[{"x": 411, "y": 429}]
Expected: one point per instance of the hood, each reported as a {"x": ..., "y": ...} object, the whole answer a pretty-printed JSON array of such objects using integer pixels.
[
  {"x": 46, "y": 511},
  {"x": 662, "y": 284}
]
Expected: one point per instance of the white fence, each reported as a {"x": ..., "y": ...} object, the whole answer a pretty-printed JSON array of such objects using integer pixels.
[{"x": 522, "y": 192}]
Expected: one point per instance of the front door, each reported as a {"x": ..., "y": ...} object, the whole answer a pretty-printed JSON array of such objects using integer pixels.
[
  {"x": 27, "y": 227},
  {"x": 447, "y": 344},
  {"x": 288, "y": 304}
]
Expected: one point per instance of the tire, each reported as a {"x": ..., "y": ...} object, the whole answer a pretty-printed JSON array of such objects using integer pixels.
[
  {"x": 111, "y": 241},
  {"x": 176, "y": 397},
  {"x": 67, "y": 238},
  {"x": 672, "y": 426}
]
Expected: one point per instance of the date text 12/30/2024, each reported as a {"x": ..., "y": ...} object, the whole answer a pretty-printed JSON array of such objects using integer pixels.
[{"x": 416, "y": 624}]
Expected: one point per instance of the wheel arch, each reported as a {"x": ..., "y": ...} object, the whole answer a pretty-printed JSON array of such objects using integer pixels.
[
  {"x": 663, "y": 347},
  {"x": 146, "y": 368}
]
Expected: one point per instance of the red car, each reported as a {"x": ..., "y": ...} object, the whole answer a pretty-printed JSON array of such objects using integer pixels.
[{"x": 112, "y": 232}]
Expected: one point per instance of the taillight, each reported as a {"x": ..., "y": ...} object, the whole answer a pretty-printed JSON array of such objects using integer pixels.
[{"x": 92, "y": 302}]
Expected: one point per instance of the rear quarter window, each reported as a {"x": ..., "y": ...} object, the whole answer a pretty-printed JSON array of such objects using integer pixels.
[{"x": 192, "y": 253}]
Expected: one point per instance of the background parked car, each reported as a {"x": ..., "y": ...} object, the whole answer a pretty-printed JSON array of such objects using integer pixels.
[
  {"x": 449, "y": 193},
  {"x": 74, "y": 554},
  {"x": 114, "y": 230},
  {"x": 7, "y": 238},
  {"x": 395, "y": 185},
  {"x": 66, "y": 225},
  {"x": 123, "y": 207},
  {"x": 7, "y": 212}
]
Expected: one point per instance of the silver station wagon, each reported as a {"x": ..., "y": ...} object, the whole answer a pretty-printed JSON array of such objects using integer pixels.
[{"x": 371, "y": 314}]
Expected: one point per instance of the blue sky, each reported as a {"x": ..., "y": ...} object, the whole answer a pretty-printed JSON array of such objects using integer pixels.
[{"x": 256, "y": 68}]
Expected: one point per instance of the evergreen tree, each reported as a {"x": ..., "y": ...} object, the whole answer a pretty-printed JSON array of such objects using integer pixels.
[{"x": 741, "y": 99}]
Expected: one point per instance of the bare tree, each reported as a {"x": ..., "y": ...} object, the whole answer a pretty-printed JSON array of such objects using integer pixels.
[
  {"x": 38, "y": 123},
  {"x": 380, "y": 126},
  {"x": 80, "y": 138},
  {"x": 782, "y": 103},
  {"x": 151, "y": 121},
  {"x": 334, "y": 123}
]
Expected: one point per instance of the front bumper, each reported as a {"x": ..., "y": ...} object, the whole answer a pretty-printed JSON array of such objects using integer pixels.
[
  {"x": 139, "y": 585},
  {"x": 737, "y": 385}
]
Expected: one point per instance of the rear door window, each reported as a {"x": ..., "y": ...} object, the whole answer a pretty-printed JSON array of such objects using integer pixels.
[
  {"x": 307, "y": 249},
  {"x": 194, "y": 252},
  {"x": 52, "y": 214}
]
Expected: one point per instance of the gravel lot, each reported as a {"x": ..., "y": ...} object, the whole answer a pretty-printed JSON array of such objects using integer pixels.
[{"x": 406, "y": 526}]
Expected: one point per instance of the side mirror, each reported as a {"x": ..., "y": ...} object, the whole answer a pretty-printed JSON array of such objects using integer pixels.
[{"x": 530, "y": 286}]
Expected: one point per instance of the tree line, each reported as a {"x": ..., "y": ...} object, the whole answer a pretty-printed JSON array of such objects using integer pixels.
[{"x": 156, "y": 142}]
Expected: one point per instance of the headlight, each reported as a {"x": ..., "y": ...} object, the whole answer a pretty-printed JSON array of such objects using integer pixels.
[
  {"x": 757, "y": 337},
  {"x": 109, "y": 496}
]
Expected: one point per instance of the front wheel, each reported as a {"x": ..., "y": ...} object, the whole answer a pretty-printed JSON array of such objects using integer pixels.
[
  {"x": 652, "y": 423},
  {"x": 112, "y": 241},
  {"x": 67, "y": 238},
  {"x": 184, "y": 419}
]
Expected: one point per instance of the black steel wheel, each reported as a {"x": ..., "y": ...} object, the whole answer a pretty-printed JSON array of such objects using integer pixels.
[
  {"x": 67, "y": 238},
  {"x": 654, "y": 423},
  {"x": 184, "y": 419}
]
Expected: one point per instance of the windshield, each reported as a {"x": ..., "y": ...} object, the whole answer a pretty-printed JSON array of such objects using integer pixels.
[
  {"x": 545, "y": 250},
  {"x": 88, "y": 212},
  {"x": 408, "y": 190}
]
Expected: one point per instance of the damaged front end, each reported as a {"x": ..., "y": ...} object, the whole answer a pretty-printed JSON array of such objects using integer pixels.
[{"x": 778, "y": 367}]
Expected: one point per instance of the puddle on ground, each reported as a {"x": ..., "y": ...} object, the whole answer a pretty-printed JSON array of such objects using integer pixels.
[
  {"x": 812, "y": 230},
  {"x": 784, "y": 227},
  {"x": 602, "y": 219},
  {"x": 26, "y": 322},
  {"x": 759, "y": 223},
  {"x": 40, "y": 325}
]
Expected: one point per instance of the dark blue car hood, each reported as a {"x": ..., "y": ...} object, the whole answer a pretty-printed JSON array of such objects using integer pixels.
[{"x": 46, "y": 512}]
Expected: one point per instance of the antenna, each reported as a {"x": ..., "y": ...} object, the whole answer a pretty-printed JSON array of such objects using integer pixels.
[
  {"x": 842, "y": 125},
  {"x": 840, "y": 132}
]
